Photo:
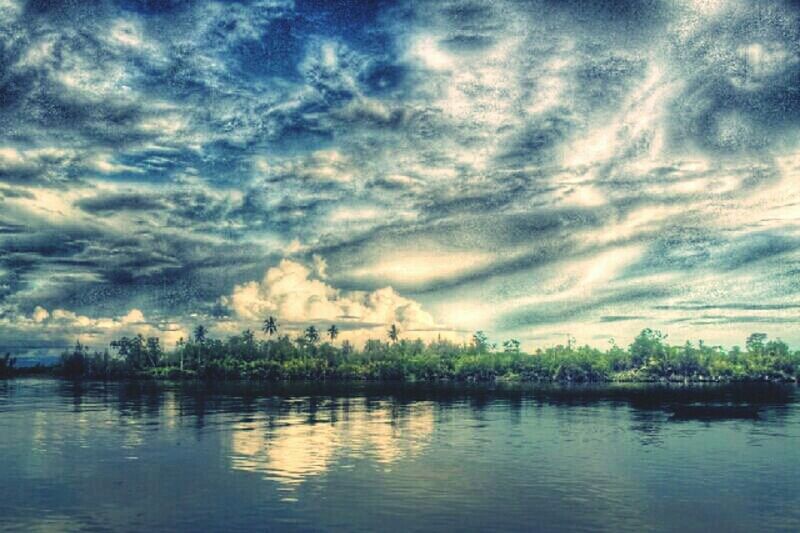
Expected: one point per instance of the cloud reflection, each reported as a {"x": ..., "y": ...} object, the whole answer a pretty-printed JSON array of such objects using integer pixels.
[{"x": 301, "y": 446}]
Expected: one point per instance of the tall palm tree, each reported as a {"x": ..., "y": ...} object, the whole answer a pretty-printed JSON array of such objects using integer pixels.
[
  {"x": 270, "y": 326},
  {"x": 200, "y": 333},
  {"x": 312, "y": 335},
  {"x": 394, "y": 333},
  {"x": 333, "y": 332},
  {"x": 179, "y": 346}
]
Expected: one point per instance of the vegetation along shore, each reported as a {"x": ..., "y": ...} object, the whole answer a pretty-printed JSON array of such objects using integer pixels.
[{"x": 311, "y": 356}]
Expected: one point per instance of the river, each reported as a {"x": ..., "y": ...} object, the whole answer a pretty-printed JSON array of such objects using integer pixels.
[{"x": 367, "y": 457}]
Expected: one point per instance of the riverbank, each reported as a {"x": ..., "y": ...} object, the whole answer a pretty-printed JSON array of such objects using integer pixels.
[
  {"x": 486, "y": 369},
  {"x": 241, "y": 357}
]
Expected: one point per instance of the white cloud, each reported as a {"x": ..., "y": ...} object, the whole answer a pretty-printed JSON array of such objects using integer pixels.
[
  {"x": 289, "y": 292},
  {"x": 9, "y": 11},
  {"x": 319, "y": 166},
  {"x": 125, "y": 33},
  {"x": 104, "y": 163},
  {"x": 409, "y": 267},
  {"x": 426, "y": 50},
  {"x": 757, "y": 62},
  {"x": 65, "y": 326},
  {"x": 134, "y": 316},
  {"x": 40, "y": 314},
  {"x": 11, "y": 158}
]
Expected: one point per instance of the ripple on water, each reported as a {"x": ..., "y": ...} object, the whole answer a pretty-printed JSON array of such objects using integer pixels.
[{"x": 127, "y": 456}]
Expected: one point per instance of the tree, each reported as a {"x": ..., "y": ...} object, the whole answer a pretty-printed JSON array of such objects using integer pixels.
[
  {"x": 133, "y": 350},
  {"x": 74, "y": 363},
  {"x": 180, "y": 346},
  {"x": 153, "y": 351},
  {"x": 312, "y": 335},
  {"x": 755, "y": 343},
  {"x": 200, "y": 333},
  {"x": 648, "y": 344},
  {"x": 511, "y": 346},
  {"x": 333, "y": 332},
  {"x": 776, "y": 348},
  {"x": 481, "y": 342},
  {"x": 347, "y": 348},
  {"x": 394, "y": 333},
  {"x": 7, "y": 364},
  {"x": 270, "y": 326}
]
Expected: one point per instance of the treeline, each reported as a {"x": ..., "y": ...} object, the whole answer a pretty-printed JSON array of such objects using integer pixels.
[
  {"x": 650, "y": 357},
  {"x": 7, "y": 365}
]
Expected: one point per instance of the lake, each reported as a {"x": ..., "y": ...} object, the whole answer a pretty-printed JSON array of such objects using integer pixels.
[{"x": 369, "y": 457}]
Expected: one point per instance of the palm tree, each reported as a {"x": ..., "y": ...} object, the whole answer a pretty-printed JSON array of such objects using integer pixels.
[
  {"x": 394, "y": 333},
  {"x": 270, "y": 327},
  {"x": 312, "y": 335},
  {"x": 200, "y": 333},
  {"x": 179, "y": 346},
  {"x": 333, "y": 332}
]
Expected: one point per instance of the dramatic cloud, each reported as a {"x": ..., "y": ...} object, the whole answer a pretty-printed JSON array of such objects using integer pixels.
[{"x": 533, "y": 169}]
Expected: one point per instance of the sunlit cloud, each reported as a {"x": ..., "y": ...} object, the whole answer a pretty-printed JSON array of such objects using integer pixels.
[
  {"x": 297, "y": 296},
  {"x": 420, "y": 267}
]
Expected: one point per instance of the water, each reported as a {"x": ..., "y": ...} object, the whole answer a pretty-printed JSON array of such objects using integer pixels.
[{"x": 136, "y": 457}]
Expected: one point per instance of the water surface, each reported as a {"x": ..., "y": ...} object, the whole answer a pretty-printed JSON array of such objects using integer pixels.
[{"x": 133, "y": 456}]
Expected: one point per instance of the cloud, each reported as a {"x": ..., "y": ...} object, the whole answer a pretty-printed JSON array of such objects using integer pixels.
[
  {"x": 121, "y": 201},
  {"x": 422, "y": 268},
  {"x": 468, "y": 153},
  {"x": 295, "y": 452},
  {"x": 57, "y": 329},
  {"x": 290, "y": 293}
]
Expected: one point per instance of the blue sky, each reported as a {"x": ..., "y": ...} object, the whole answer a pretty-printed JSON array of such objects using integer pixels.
[{"x": 532, "y": 169}]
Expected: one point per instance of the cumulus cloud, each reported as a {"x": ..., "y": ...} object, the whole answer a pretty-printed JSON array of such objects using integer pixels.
[
  {"x": 291, "y": 293},
  {"x": 59, "y": 328}
]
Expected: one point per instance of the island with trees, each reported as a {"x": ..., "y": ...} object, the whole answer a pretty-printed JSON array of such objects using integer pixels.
[{"x": 310, "y": 357}]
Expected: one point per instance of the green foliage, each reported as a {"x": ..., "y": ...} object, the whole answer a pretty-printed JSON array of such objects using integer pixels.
[
  {"x": 78, "y": 363},
  {"x": 648, "y": 346},
  {"x": 480, "y": 342},
  {"x": 755, "y": 342},
  {"x": 648, "y": 358},
  {"x": 139, "y": 353},
  {"x": 511, "y": 346}
]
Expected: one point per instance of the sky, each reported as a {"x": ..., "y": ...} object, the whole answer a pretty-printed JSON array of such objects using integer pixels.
[{"x": 537, "y": 170}]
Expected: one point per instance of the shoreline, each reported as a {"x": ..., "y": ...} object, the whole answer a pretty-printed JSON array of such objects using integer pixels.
[
  {"x": 53, "y": 372},
  {"x": 648, "y": 359}
]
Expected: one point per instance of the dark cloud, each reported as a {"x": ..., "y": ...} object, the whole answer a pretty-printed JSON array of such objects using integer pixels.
[
  {"x": 621, "y": 318},
  {"x": 578, "y": 311},
  {"x": 115, "y": 203}
]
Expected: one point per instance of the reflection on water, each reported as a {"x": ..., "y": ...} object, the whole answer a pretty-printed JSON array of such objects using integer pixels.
[
  {"x": 291, "y": 444},
  {"x": 139, "y": 456}
]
